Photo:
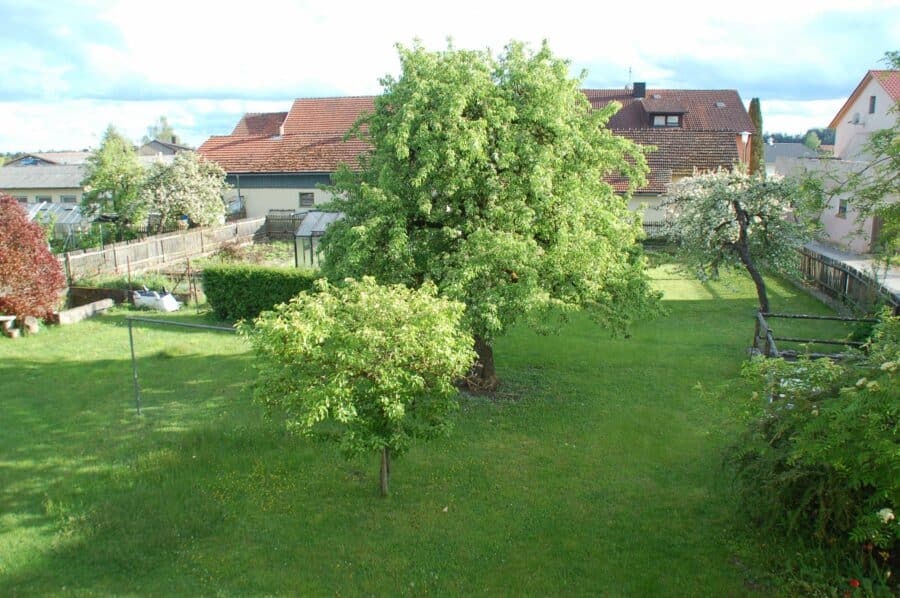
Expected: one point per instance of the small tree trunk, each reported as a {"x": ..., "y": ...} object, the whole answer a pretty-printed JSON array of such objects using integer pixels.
[
  {"x": 385, "y": 470},
  {"x": 483, "y": 374},
  {"x": 743, "y": 247}
]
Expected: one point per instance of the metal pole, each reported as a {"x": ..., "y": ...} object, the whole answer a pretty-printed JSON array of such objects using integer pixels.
[{"x": 137, "y": 386}]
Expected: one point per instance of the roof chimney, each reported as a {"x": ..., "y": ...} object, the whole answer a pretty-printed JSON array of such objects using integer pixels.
[{"x": 640, "y": 89}]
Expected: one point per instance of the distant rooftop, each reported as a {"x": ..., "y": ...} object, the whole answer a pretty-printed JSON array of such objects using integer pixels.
[{"x": 787, "y": 150}]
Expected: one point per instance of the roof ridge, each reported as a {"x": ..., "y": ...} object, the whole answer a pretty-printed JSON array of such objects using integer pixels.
[{"x": 360, "y": 97}]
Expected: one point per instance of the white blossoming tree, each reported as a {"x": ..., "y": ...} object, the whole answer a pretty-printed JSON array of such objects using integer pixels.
[
  {"x": 732, "y": 219},
  {"x": 190, "y": 186}
]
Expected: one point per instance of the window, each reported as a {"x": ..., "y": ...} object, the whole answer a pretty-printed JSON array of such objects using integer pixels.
[
  {"x": 46, "y": 198},
  {"x": 871, "y": 104},
  {"x": 68, "y": 198},
  {"x": 21, "y": 199},
  {"x": 307, "y": 199},
  {"x": 842, "y": 208},
  {"x": 666, "y": 120}
]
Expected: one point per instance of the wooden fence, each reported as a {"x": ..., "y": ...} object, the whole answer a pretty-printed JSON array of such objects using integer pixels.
[
  {"x": 159, "y": 250},
  {"x": 764, "y": 338},
  {"x": 845, "y": 283}
]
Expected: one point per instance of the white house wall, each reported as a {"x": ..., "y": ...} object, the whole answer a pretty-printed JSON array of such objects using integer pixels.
[
  {"x": 55, "y": 195},
  {"x": 258, "y": 201},
  {"x": 850, "y": 138}
]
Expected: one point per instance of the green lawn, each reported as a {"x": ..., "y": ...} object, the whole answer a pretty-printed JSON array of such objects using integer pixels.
[{"x": 603, "y": 476}]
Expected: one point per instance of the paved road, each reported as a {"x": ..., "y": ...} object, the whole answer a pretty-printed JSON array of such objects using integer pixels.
[{"x": 863, "y": 263}]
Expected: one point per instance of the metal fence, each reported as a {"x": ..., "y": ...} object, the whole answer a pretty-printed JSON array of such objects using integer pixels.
[
  {"x": 654, "y": 230},
  {"x": 282, "y": 224},
  {"x": 845, "y": 283},
  {"x": 159, "y": 250}
]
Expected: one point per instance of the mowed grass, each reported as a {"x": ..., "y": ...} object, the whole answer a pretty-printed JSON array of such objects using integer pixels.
[{"x": 598, "y": 473}]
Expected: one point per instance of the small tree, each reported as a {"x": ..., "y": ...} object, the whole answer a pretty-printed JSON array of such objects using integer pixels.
[
  {"x": 190, "y": 185},
  {"x": 369, "y": 366},
  {"x": 730, "y": 218},
  {"x": 487, "y": 176},
  {"x": 160, "y": 130},
  {"x": 30, "y": 277},
  {"x": 757, "y": 155},
  {"x": 112, "y": 179},
  {"x": 812, "y": 140}
]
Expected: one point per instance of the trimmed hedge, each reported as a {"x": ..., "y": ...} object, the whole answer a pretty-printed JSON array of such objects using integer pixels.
[{"x": 236, "y": 292}]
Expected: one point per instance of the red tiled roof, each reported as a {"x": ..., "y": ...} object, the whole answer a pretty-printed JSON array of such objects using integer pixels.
[
  {"x": 260, "y": 123},
  {"x": 701, "y": 111},
  {"x": 302, "y": 152},
  {"x": 679, "y": 153},
  {"x": 309, "y": 138},
  {"x": 890, "y": 80},
  {"x": 326, "y": 115}
]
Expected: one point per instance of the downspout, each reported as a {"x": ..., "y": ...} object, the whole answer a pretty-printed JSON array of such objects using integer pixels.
[{"x": 240, "y": 199}]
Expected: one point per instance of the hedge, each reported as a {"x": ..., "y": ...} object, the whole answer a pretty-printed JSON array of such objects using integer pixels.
[{"x": 236, "y": 292}]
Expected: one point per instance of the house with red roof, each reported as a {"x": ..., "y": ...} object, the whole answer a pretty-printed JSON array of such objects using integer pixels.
[
  {"x": 868, "y": 109},
  {"x": 277, "y": 160}
]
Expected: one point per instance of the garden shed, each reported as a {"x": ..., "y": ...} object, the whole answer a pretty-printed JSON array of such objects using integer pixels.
[{"x": 307, "y": 236}]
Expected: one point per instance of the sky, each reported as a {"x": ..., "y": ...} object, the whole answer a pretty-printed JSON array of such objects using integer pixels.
[{"x": 70, "y": 68}]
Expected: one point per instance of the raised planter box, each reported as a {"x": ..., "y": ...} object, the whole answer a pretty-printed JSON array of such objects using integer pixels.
[
  {"x": 79, "y": 296},
  {"x": 83, "y": 312}
]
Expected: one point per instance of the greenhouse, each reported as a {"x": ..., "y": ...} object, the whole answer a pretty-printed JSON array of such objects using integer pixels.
[{"x": 306, "y": 239}]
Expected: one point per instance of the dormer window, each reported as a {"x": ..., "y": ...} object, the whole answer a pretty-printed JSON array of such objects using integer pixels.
[{"x": 666, "y": 120}]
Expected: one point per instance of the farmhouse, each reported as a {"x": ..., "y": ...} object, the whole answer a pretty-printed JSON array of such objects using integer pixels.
[{"x": 276, "y": 160}]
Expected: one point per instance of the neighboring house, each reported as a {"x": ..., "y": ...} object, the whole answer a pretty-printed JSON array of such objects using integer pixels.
[
  {"x": 158, "y": 147},
  {"x": 780, "y": 155},
  {"x": 49, "y": 159},
  {"x": 52, "y": 177},
  {"x": 869, "y": 108},
  {"x": 692, "y": 130},
  {"x": 55, "y": 183},
  {"x": 276, "y": 160}
]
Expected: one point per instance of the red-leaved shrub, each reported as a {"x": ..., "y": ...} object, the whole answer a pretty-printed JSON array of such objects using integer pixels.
[{"x": 30, "y": 277}]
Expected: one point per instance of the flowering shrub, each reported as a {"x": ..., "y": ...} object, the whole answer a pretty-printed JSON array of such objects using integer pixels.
[{"x": 820, "y": 458}]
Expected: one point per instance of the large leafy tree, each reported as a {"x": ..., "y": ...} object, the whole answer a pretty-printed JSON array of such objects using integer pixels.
[
  {"x": 732, "y": 219},
  {"x": 488, "y": 177},
  {"x": 369, "y": 366},
  {"x": 112, "y": 179},
  {"x": 30, "y": 277},
  {"x": 190, "y": 185}
]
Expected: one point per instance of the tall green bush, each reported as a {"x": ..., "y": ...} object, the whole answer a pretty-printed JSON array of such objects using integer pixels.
[
  {"x": 236, "y": 292},
  {"x": 820, "y": 460}
]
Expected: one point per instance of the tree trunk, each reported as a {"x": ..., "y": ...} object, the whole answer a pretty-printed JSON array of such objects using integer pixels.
[
  {"x": 483, "y": 376},
  {"x": 385, "y": 470},
  {"x": 743, "y": 247}
]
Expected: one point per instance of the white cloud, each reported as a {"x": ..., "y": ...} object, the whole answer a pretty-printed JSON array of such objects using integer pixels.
[
  {"x": 791, "y": 116},
  {"x": 285, "y": 48},
  {"x": 80, "y": 124}
]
